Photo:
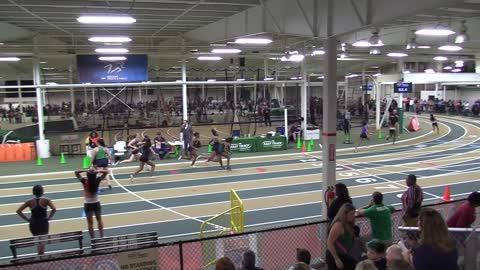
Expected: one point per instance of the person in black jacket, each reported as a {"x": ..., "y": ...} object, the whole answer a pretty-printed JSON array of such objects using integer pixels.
[
  {"x": 343, "y": 197},
  {"x": 248, "y": 261}
]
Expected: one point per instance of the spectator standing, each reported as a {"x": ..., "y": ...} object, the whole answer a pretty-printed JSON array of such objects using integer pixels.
[
  {"x": 380, "y": 217},
  {"x": 224, "y": 264},
  {"x": 92, "y": 205},
  {"x": 436, "y": 248},
  {"x": 412, "y": 200},
  {"x": 342, "y": 197},
  {"x": 465, "y": 214},
  {"x": 266, "y": 115},
  {"x": 303, "y": 256},
  {"x": 187, "y": 131},
  {"x": 249, "y": 260},
  {"x": 38, "y": 221},
  {"x": 366, "y": 265},
  {"x": 340, "y": 240}
]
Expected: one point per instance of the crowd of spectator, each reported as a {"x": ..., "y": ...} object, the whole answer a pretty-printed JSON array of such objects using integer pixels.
[{"x": 430, "y": 248}]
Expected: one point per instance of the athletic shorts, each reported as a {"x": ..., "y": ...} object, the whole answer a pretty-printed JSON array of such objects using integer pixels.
[
  {"x": 101, "y": 163},
  {"x": 219, "y": 150},
  {"x": 363, "y": 136},
  {"x": 136, "y": 151},
  {"x": 434, "y": 124},
  {"x": 39, "y": 227},
  {"x": 92, "y": 207},
  {"x": 143, "y": 158}
]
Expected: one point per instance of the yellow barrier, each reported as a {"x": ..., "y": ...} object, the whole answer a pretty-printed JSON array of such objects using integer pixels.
[{"x": 228, "y": 222}]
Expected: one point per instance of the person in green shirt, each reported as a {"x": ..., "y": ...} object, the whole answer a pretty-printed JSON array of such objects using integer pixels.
[{"x": 380, "y": 217}]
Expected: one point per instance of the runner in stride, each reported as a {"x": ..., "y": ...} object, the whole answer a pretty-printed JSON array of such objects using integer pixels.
[
  {"x": 145, "y": 158},
  {"x": 434, "y": 122},
  {"x": 193, "y": 148},
  {"x": 363, "y": 136},
  {"x": 215, "y": 142},
  {"x": 225, "y": 152}
]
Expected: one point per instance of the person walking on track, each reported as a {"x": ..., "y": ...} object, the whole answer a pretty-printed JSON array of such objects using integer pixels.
[
  {"x": 146, "y": 157},
  {"x": 187, "y": 131},
  {"x": 92, "y": 205},
  {"x": 100, "y": 159},
  {"x": 38, "y": 221}
]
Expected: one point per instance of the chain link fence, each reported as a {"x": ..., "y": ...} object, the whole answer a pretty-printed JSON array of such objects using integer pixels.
[{"x": 275, "y": 249}]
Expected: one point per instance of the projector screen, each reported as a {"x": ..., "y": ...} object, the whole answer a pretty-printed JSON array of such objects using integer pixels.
[{"x": 92, "y": 70}]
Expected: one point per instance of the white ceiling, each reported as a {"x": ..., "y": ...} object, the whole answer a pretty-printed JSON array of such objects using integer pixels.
[{"x": 162, "y": 28}]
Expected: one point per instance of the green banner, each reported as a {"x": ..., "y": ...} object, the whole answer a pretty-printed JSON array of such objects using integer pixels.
[
  {"x": 244, "y": 145},
  {"x": 271, "y": 144}
]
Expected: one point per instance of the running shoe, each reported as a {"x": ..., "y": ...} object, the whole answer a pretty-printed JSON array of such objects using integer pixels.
[
  {"x": 116, "y": 163},
  {"x": 193, "y": 166},
  {"x": 228, "y": 168},
  {"x": 199, "y": 156},
  {"x": 131, "y": 178},
  {"x": 110, "y": 187},
  {"x": 179, "y": 157}
]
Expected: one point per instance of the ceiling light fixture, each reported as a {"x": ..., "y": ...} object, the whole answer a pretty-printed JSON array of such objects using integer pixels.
[
  {"x": 450, "y": 48},
  {"x": 375, "y": 51},
  {"x": 456, "y": 70},
  {"x": 112, "y": 58},
  {"x": 321, "y": 77},
  {"x": 209, "y": 58},
  {"x": 424, "y": 47},
  {"x": 438, "y": 31},
  {"x": 106, "y": 19},
  {"x": 412, "y": 43},
  {"x": 111, "y": 50},
  {"x": 463, "y": 36},
  {"x": 268, "y": 79},
  {"x": 119, "y": 39},
  {"x": 9, "y": 59},
  {"x": 361, "y": 44},
  {"x": 226, "y": 51},
  {"x": 211, "y": 80},
  {"x": 429, "y": 71},
  {"x": 376, "y": 74},
  {"x": 318, "y": 52},
  {"x": 440, "y": 58},
  {"x": 374, "y": 40},
  {"x": 352, "y": 76},
  {"x": 459, "y": 63},
  {"x": 448, "y": 68},
  {"x": 258, "y": 41},
  {"x": 293, "y": 56},
  {"x": 43, "y": 62},
  {"x": 397, "y": 54},
  {"x": 240, "y": 79}
]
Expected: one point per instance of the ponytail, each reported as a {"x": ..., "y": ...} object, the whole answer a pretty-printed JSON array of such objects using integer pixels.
[{"x": 92, "y": 182}]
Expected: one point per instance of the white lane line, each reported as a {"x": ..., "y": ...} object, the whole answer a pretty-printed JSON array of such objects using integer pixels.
[
  {"x": 156, "y": 204},
  {"x": 238, "y": 158}
]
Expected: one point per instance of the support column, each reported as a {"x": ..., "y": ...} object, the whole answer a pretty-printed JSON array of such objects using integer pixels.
[
  {"x": 140, "y": 94},
  {"x": 43, "y": 147},
  {"x": 378, "y": 88},
  {"x": 184, "y": 90},
  {"x": 282, "y": 94},
  {"x": 436, "y": 90},
  {"x": 72, "y": 94},
  {"x": 329, "y": 131},
  {"x": 346, "y": 94},
  {"x": 20, "y": 103},
  {"x": 444, "y": 92},
  {"x": 303, "y": 98}
]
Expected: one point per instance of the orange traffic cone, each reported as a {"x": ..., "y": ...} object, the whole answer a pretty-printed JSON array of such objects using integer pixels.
[
  {"x": 446, "y": 194},
  {"x": 304, "y": 148}
]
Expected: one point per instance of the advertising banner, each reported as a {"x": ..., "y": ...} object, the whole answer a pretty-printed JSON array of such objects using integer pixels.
[
  {"x": 92, "y": 70},
  {"x": 271, "y": 144},
  {"x": 244, "y": 145}
]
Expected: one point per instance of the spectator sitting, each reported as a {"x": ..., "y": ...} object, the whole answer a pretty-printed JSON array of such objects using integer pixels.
[
  {"x": 161, "y": 146},
  {"x": 380, "y": 217},
  {"x": 437, "y": 249},
  {"x": 376, "y": 253},
  {"x": 465, "y": 214},
  {"x": 248, "y": 262},
  {"x": 303, "y": 256},
  {"x": 343, "y": 197},
  {"x": 224, "y": 264},
  {"x": 300, "y": 266},
  {"x": 399, "y": 265},
  {"x": 366, "y": 265},
  {"x": 296, "y": 131}
]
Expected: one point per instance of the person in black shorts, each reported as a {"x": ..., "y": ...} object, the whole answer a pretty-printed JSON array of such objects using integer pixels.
[
  {"x": 38, "y": 221},
  {"x": 434, "y": 122},
  {"x": 392, "y": 131},
  {"x": 225, "y": 152},
  {"x": 92, "y": 205},
  {"x": 147, "y": 153},
  {"x": 193, "y": 148},
  {"x": 215, "y": 142}
]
